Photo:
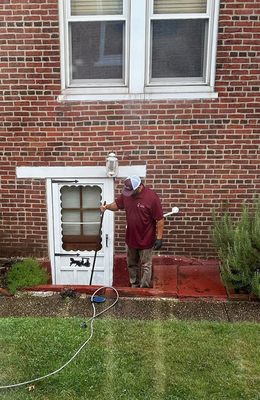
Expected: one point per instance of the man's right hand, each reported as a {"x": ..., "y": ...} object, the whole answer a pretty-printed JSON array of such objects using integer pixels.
[
  {"x": 103, "y": 208},
  {"x": 110, "y": 207}
]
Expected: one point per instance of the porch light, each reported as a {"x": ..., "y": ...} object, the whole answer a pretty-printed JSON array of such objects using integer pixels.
[{"x": 111, "y": 165}]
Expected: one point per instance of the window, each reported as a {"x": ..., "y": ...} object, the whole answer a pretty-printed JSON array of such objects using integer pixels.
[
  {"x": 80, "y": 217},
  {"x": 127, "y": 49}
]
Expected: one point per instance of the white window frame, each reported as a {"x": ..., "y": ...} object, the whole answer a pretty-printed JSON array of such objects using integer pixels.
[{"x": 136, "y": 83}]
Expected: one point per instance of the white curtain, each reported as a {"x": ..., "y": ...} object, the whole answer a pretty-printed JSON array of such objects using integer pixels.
[
  {"x": 96, "y": 7},
  {"x": 179, "y": 6}
]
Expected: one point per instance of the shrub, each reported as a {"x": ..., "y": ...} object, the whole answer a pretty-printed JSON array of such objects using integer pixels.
[
  {"x": 25, "y": 273},
  {"x": 255, "y": 228},
  {"x": 238, "y": 246},
  {"x": 238, "y": 261},
  {"x": 223, "y": 231},
  {"x": 256, "y": 283}
]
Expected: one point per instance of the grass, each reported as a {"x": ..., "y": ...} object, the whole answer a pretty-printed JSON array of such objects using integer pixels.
[{"x": 131, "y": 360}]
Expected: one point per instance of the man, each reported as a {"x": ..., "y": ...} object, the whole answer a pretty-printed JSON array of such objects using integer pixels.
[{"x": 144, "y": 217}]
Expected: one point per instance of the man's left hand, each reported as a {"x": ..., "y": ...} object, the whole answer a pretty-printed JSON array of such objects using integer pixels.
[{"x": 158, "y": 244}]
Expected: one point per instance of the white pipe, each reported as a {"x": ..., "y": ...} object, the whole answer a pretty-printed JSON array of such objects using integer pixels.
[{"x": 175, "y": 210}]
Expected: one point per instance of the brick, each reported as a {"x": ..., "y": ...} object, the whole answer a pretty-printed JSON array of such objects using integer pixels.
[{"x": 199, "y": 154}]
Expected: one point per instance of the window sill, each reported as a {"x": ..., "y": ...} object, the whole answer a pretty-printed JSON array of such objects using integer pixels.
[{"x": 68, "y": 95}]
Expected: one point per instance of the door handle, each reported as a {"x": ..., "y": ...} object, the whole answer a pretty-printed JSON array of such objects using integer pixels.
[{"x": 106, "y": 240}]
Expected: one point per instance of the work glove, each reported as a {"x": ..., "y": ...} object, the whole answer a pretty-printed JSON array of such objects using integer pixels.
[{"x": 157, "y": 244}]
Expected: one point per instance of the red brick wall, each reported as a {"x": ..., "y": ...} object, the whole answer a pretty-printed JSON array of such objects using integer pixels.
[{"x": 199, "y": 154}]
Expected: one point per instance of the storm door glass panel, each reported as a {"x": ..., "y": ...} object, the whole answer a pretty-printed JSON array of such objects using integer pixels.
[
  {"x": 96, "y": 7},
  {"x": 177, "y": 6},
  {"x": 80, "y": 217},
  {"x": 178, "y": 48},
  {"x": 97, "y": 50}
]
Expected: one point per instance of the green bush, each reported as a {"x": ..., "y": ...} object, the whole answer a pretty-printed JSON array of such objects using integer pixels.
[
  {"x": 255, "y": 228},
  {"x": 223, "y": 231},
  {"x": 25, "y": 273},
  {"x": 256, "y": 283},
  {"x": 238, "y": 246}
]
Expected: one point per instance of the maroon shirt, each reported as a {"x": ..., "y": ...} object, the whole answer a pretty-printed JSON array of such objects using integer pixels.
[{"x": 142, "y": 212}]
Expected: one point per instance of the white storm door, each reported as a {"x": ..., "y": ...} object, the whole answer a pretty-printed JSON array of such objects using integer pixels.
[{"x": 76, "y": 227}]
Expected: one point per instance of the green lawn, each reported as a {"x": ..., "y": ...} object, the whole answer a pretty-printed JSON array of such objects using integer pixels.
[{"x": 131, "y": 360}]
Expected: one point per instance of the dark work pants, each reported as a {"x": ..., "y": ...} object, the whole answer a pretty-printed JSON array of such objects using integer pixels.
[{"x": 139, "y": 263}]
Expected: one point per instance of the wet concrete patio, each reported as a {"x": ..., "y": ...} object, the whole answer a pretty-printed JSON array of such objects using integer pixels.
[
  {"x": 173, "y": 277},
  {"x": 177, "y": 277}
]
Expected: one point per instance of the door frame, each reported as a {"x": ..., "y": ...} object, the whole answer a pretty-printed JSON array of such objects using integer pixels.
[{"x": 71, "y": 172}]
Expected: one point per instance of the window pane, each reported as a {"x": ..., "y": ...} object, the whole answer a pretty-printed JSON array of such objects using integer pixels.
[
  {"x": 70, "y": 197},
  {"x": 70, "y": 216},
  {"x": 93, "y": 219},
  {"x": 178, "y": 48},
  {"x": 91, "y": 229},
  {"x": 176, "y": 6},
  {"x": 96, "y": 7},
  {"x": 92, "y": 216},
  {"x": 91, "y": 196},
  {"x": 71, "y": 229},
  {"x": 97, "y": 50}
]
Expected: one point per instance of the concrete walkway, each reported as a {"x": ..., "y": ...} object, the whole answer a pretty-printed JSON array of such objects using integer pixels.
[{"x": 53, "y": 304}]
